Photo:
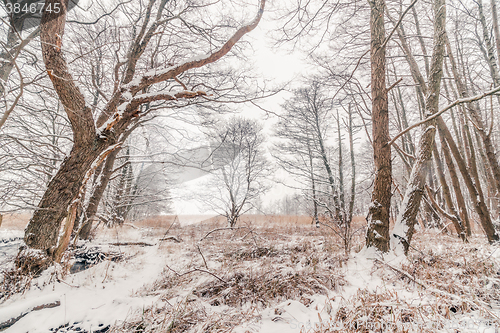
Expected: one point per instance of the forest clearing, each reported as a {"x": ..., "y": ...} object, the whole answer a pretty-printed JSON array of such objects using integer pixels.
[
  {"x": 274, "y": 276},
  {"x": 249, "y": 166}
]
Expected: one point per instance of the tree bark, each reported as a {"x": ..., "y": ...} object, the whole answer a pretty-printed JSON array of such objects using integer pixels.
[
  {"x": 43, "y": 228},
  {"x": 377, "y": 234},
  {"x": 478, "y": 202},
  {"x": 405, "y": 223}
]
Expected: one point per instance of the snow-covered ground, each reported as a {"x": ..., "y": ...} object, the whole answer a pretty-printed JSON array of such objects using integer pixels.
[{"x": 271, "y": 278}]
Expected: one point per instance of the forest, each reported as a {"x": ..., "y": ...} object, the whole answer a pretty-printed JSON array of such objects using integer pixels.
[{"x": 249, "y": 166}]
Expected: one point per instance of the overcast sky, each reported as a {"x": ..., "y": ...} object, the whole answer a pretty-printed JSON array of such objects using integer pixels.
[{"x": 278, "y": 65}]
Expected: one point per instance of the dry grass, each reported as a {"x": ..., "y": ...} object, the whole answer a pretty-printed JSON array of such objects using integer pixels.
[
  {"x": 15, "y": 221},
  {"x": 259, "y": 220},
  {"x": 184, "y": 317},
  {"x": 247, "y": 270},
  {"x": 267, "y": 288},
  {"x": 271, "y": 260},
  {"x": 227, "y": 278},
  {"x": 444, "y": 285}
]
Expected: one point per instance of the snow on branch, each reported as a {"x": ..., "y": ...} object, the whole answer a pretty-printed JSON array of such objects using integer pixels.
[{"x": 134, "y": 103}]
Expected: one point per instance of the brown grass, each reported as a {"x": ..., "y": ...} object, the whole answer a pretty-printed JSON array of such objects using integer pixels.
[
  {"x": 164, "y": 221},
  {"x": 15, "y": 221},
  {"x": 268, "y": 260},
  {"x": 231, "y": 275}
]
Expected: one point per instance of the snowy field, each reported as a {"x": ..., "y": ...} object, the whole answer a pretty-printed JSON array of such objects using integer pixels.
[{"x": 270, "y": 277}]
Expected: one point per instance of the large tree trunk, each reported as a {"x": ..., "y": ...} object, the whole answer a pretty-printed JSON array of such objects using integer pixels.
[
  {"x": 377, "y": 234},
  {"x": 404, "y": 226},
  {"x": 43, "y": 228}
]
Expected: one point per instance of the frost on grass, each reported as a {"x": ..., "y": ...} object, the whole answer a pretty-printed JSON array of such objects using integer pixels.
[{"x": 279, "y": 278}]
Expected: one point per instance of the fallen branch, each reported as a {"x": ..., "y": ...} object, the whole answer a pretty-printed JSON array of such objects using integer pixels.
[
  {"x": 8, "y": 323},
  {"x": 197, "y": 270},
  {"x": 131, "y": 225},
  {"x": 131, "y": 244},
  {"x": 171, "y": 238},
  {"x": 220, "y": 229}
]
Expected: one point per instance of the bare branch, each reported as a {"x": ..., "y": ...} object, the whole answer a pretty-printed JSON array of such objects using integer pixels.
[{"x": 446, "y": 108}]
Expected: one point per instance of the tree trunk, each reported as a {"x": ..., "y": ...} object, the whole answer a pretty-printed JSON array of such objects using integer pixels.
[
  {"x": 96, "y": 196},
  {"x": 353, "y": 169},
  {"x": 455, "y": 182},
  {"x": 122, "y": 195},
  {"x": 421, "y": 39},
  {"x": 315, "y": 219},
  {"x": 377, "y": 234},
  {"x": 478, "y": 202},
  {"x": 43, "y": 228},
  {"x": 405, "y": 223},
  {"x": 457, "y": 222},
  {"x": 490, "y": 54},
  {"x": 496, "y": 30},
  {"x": 493, "y": 194}
]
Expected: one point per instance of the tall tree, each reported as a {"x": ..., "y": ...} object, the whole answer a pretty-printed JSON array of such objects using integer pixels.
[
  {"x": 377, "y": 235},
  {"x": 404, "y": 226},
  {"x": 94, "y": 140}
]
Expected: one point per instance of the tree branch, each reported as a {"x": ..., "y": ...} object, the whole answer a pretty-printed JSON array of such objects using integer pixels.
[
  {"x": 446, "y": 108},
  {"x": 398, "y": 23}
]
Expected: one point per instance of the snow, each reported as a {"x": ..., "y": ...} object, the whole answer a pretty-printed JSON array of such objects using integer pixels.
[
  {"x": 111, "y": 293},
  {"x": 104, "y": 294},
  {"x": 10, "y": 240}
]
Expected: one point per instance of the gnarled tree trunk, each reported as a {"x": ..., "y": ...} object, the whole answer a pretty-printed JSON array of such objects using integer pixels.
[{"x": 91, "y": 140}]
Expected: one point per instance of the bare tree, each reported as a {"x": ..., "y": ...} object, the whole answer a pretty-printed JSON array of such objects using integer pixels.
[
  {"x": 305, "y": 152},
  {"x": 94, "y": 140},
  {"x": 240, "y": 168}
]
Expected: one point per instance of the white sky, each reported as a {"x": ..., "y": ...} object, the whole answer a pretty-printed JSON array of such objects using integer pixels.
[{"x": 277, "y": 66}]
